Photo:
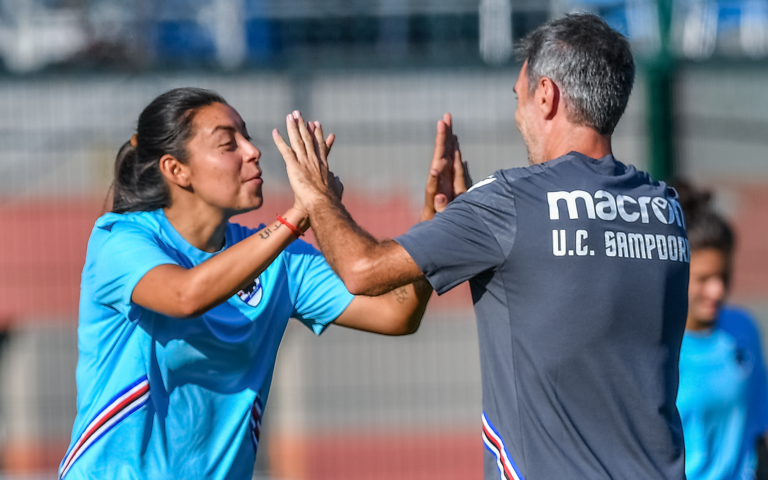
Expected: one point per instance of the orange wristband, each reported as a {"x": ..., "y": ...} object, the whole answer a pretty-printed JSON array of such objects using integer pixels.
[{"x": 296, "y": 232}]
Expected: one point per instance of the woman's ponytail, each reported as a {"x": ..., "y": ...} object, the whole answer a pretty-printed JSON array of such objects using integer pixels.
[{"x": 138, "y": 185}]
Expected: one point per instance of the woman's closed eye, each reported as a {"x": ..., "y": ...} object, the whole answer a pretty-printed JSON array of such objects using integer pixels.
[{"x": 229, "y": 143}]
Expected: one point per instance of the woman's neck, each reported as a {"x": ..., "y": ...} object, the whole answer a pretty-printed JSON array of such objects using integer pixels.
[
  {"x": 204, "y": 228},
  {"x": 697, "y": 325}
]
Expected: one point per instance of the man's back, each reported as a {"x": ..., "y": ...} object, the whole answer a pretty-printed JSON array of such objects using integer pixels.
[{"x": 578, "y": 270}]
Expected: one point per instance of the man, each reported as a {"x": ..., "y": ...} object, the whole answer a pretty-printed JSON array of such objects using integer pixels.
[{"x": 578, "y": 267}]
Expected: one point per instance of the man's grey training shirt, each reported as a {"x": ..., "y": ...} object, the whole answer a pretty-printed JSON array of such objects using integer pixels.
[{"x": 579, "y": 275}]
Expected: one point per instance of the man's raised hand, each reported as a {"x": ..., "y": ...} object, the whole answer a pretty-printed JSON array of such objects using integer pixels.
[{"x": 448, "y": 174}]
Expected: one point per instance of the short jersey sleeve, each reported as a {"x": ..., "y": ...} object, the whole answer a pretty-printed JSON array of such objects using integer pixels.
[
  {"x": 740, "y": 325},
  {"x": 474, "y": 234},
  {"x": 319, "y": 295},
  {"x": 760, "y": 397},
  {"x": 124, "y": 253}
]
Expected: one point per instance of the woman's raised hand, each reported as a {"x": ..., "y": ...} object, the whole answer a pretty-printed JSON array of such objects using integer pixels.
[{"x": 306, "y": 160}]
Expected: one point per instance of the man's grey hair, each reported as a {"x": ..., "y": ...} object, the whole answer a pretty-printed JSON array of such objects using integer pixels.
[{"x": 590, "y": 62}]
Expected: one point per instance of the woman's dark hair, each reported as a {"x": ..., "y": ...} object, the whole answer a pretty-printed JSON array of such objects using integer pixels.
[
  {"x": 706, "y": 229},
  {"x": 164, "y": 127}
]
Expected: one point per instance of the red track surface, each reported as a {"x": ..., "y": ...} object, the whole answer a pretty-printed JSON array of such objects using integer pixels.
[
  {"x": 43, "y": 246},
  {"x": 431, "y": 455},
  {"x": 750, "y": 280},
  {"x": 451, "y": 455}
]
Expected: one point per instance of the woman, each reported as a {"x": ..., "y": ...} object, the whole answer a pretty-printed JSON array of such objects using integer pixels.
[
  {"x": 182, "y": 312},
  {"x": 723, "y": 397}
]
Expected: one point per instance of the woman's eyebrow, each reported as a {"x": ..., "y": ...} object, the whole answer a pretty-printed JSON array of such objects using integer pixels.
[
  {"x": 230, "y": 129},
  {"x": 226, "y": 128}
]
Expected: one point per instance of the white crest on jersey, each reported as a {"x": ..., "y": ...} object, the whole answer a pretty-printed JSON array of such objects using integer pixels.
[
  {"x": 488, "y": 180},
  {"x": 252, "y": 293}
]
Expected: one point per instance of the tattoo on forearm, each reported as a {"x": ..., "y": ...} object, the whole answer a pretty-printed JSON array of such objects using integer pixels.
[
  {"x": 264, "y": 233},
  {"x": 401, "y": 294}
]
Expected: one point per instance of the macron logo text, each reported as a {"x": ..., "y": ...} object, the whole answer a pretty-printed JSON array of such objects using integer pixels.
[{"x": 606, "y": 206}]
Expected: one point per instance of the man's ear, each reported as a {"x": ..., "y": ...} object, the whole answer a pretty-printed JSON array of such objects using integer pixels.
[
  {"x": 175, "y": 171},
  {"x": 548, "y": 97}
]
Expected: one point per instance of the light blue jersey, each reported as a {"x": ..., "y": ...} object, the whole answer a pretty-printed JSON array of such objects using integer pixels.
[
  {"x": 723, "y": 398},
  {"x": 162, "y": 397}
]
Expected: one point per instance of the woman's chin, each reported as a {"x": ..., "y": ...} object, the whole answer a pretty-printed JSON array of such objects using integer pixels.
[
  {"x": 247, "y": 206},
  {"x": 254, "y": 200},
  {"x": 255, "y": 205}
]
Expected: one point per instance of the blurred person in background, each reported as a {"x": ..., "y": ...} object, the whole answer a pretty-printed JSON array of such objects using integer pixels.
[
  {"x": 723, "y": 394},
  {"x": 182, "y": 311}
]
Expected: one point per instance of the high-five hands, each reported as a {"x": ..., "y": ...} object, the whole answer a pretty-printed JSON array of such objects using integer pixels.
[
  {"x": 448, "y": 174},
  {"x": 306, "y": 160}
]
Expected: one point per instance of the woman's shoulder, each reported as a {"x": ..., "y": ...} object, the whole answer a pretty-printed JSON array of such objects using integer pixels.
[
  {"x": 114, "y": 230},
  {"x": 733, "y": 318},
  {"x": 147, "y": 221},
  {"x": 740, "y": 325}
]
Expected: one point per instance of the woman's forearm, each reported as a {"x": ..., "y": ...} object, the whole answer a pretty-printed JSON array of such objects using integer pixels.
[
  {"x": 422, "y": 291},
  {"x": 398, "y": 312},
  {"x": 180, "y": 292}
]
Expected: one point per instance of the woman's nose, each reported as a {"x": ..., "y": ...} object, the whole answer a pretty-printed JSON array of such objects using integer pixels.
[
  {"x": 716, "y": 288},
  {"x": 252, "y": 153}
]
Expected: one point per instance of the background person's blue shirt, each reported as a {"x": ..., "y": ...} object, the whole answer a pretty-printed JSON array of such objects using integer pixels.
[
  {"x": 162, "y": 397},
  {"x": 723, "y": 398}
]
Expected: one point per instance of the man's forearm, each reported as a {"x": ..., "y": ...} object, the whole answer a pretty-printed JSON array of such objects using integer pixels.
[{"x": 366, "y": 265}]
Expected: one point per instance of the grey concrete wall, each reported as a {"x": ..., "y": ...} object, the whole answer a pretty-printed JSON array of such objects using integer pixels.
[
  {"x": 723, "y": 123},
  {"x": 349, "y": 380}
]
